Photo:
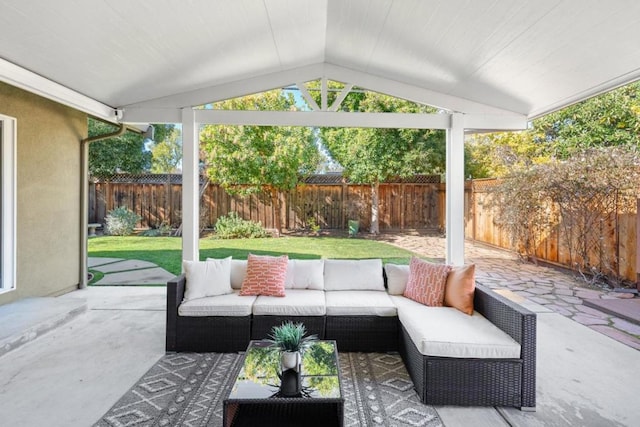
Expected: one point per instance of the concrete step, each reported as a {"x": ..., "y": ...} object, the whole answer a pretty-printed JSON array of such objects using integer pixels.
[
  {"x": 25, "y": 320},
  {"x": 628, "y": 309}
]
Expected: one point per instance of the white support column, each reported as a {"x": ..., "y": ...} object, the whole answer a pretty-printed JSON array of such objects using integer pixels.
[
  {"x": 455, "y": 191},
  {"x": 190, "y": 186}
]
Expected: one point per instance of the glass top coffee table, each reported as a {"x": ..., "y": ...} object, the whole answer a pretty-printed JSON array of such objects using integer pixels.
[{"x": 263, "y": 395}]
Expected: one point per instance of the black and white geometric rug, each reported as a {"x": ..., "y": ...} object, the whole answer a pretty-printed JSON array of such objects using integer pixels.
[{"x": 187, "y": 389}]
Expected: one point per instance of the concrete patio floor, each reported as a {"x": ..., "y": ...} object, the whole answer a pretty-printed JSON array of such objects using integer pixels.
[{"x": 71, "y": 375}]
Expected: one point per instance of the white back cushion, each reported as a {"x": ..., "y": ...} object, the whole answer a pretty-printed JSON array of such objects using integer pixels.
[
  {"x": 305, "y": 274},
  {"x": 353, "y": 275},
  {"x": 207, "y": 278},
  {"x": 238, "y": 272},
  {"x": 397, "y": 277}
]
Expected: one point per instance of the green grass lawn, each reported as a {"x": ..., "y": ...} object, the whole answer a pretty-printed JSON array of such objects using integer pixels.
[{"x": 167, "y": 251}]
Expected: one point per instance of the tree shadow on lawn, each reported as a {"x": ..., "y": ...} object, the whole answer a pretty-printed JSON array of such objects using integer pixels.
[
  {"x": 244, "y": 254},
  {"x": 171, "y": 259}
]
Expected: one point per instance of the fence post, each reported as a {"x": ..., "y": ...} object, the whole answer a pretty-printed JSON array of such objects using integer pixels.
[
  {"x": 403, "y": 208},
  {"x": 344, "y": 204},
  {"x": 168, "y": 200},
  {"x": 472, "y": 208}
]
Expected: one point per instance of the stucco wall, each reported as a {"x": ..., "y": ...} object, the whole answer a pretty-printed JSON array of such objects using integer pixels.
[{"x": 48, "y": 193}]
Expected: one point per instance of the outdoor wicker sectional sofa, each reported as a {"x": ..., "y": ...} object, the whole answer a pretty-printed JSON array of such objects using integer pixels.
[{"x": 487, "y": 359}]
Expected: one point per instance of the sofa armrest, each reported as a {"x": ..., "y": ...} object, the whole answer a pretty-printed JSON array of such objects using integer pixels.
[
  {"x": 520, "y": 324},
  {"x": 175, "y": 295},
  {"x": 504, "y": 313}
]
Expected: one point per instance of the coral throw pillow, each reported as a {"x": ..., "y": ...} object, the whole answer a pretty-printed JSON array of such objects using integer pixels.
[
  {"x": 265, "y": 275},
  {"x": 426, "y": 282},
  {"x": 461, "y": 285}
]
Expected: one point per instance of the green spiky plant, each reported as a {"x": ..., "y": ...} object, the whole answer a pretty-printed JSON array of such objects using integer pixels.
[{"x": 291, "y": 337}]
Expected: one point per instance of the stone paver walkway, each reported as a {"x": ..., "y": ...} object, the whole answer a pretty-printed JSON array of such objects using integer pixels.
[
  {"x": 548, "y": 288},
  {"x": 128, "y": 272}
]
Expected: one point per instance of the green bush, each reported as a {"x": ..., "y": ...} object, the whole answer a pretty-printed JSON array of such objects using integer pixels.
[
  {"x": 234, "y": 227},
  {"x": 163, "y": 230},
  {"x": 121, "y": 221}
]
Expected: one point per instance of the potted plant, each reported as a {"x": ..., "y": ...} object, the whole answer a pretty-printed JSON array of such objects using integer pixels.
[
  {"x": 290, "y": 339},
  {"x": 355, "y": 209}
]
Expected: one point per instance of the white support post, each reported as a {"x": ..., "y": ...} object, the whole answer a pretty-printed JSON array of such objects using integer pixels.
[
  {"x": 455, "y": 191},
  {"x": 324, "y": 97},
  {"x": 190, "y": 186}
]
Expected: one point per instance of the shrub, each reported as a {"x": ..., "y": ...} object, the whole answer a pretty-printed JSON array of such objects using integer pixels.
[
  {"x": 163, "y": 230},
  {"x": 314, "y": 227},
  {"x": 234, "y": 227},
  {"x": 579, "y": 198},
  {"x": 523, "y": 209},
  {"x": 121, "y": 221}
]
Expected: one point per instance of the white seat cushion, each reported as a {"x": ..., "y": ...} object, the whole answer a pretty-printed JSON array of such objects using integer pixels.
[
  {"x": 447, "y": 332},
  {"x": 360, "y": 303},
  {"x": 297, "y": 302},
  {"x": 353, "y": 275},
  {"x": 232, "y": 305}
]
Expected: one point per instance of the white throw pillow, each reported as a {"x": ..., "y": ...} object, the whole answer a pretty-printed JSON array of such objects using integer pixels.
[
  {"x": 305, "y": 274},
  {"x": 397, "y": 277},
  {"x": 207, "y": 278},
  {"x": 353, "y": 275},
  {"x": 238, "y": 272}
]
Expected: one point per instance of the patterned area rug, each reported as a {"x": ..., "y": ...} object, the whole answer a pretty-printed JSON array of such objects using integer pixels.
[{"x": 187, "y": 389}]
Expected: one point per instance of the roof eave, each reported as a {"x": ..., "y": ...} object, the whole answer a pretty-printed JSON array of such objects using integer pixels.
[{"x": 24, "y": 79}]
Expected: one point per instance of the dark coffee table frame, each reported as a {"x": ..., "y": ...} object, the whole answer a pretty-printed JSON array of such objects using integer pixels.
[{"x": 285, "y": 411}]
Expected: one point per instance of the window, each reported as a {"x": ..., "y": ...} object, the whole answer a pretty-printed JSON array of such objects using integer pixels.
[{"x": 7, "y": 203}]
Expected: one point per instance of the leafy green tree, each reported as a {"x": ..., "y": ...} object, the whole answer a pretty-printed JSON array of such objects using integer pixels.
[
  {"x": 494, "y": 155},
  {"x": 167, "y": 150},
  {"x": 370, "y": 156},
  {"x": 162, "y": 131},
  {"x": 609, "y": 120},
  {"x": 250, "y": 159},
  {"x": 125, "y": 153}
]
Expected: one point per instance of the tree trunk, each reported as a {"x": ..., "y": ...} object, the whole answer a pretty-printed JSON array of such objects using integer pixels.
[
  {"x": 375, "y": 223},
  {"x": 275, "y": 199}
]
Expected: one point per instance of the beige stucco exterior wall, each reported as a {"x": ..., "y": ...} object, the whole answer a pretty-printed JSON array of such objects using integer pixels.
[{"x": 48, "y": 193}]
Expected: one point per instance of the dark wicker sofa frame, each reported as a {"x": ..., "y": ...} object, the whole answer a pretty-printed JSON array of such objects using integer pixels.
[
  {"x": 220, "y": 334},
  {"x": 438, "y": 380},
  {"x": 480, "y": 382}
]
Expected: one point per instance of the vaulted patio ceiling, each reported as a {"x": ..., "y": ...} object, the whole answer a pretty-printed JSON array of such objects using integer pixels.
[{"x": 151, "y": 58}]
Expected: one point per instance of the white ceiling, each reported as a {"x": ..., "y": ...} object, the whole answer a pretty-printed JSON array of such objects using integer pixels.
[{"x": 482, "y": 56}]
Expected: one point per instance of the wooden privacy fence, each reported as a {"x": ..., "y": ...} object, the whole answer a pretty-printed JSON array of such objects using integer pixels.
[
  {"x": 411, "y": 204},
  {"x": 330, "y": 202},
  {"x": 612, "y": 245}
]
